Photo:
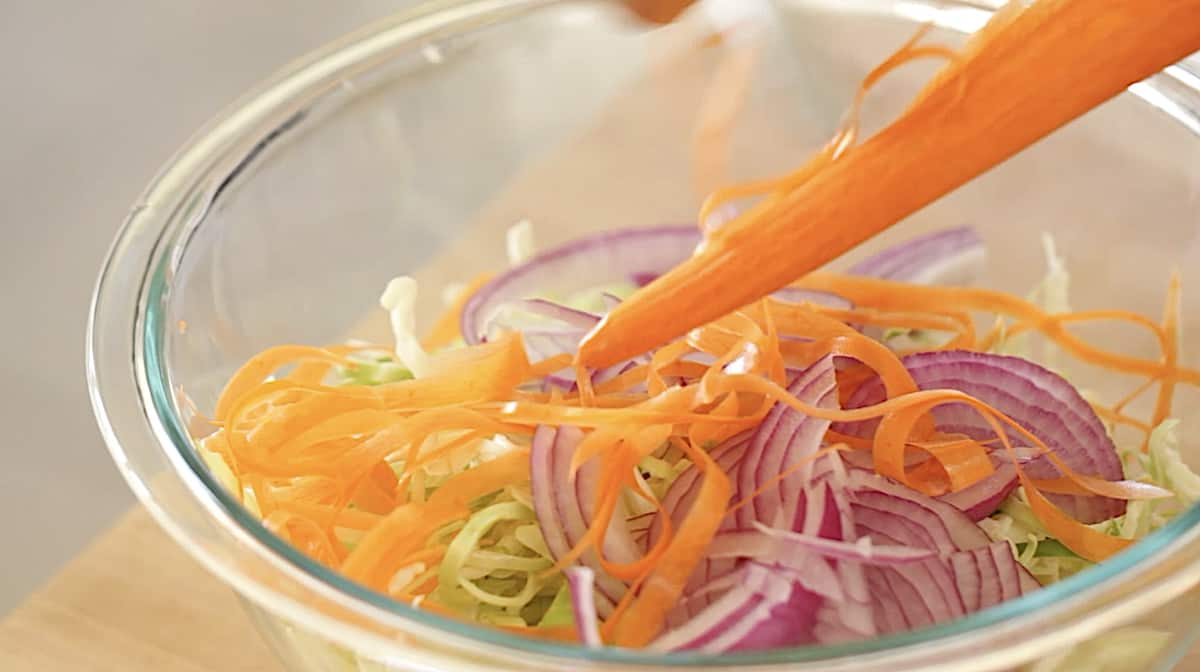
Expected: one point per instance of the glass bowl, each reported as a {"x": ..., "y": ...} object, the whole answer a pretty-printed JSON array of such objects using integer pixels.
[{"x": 412, "y": 145}]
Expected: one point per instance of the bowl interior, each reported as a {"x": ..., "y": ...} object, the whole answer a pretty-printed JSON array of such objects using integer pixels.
[{"x": 577, "y": 120}]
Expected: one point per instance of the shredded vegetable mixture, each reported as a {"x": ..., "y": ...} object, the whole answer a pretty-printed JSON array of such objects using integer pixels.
[
  {"x": 410, "y": 471},
  {"x": 861, "y": 453}
]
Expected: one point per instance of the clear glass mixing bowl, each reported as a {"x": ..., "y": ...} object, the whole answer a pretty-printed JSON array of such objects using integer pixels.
[{"x": 411, "y": 146}]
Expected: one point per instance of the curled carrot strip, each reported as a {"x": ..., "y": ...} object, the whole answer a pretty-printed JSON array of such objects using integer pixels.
[
  {"x": 890, "y": 295},
  {"x": 647, "y": 612}
]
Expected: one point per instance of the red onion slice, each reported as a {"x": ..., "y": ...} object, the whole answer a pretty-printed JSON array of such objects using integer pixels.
[
  {"x": 786, "y": 437},
  {"x": 889, "y": 509},
  {"x": 982, "y": 499},
  {"x": 581, "y": 582},
  {"x": 861, "y": 551},
  {"x": 545, "y": 343},
  {"x": 571, "y": 317},
  {"x": 899, "y": 559},
  {"x": 942, "y": 589},
  {"x": 1036, "y": 398},
  {"x": 949, "y": 257},
  {"x": 560, "y": 514},
  {"x": 686, "y": 486},
  {"x": 584, "y": 263},
  {"x": 762, "y": 609}
]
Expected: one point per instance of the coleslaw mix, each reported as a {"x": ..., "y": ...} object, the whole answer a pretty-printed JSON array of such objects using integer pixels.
[{"x": 493, "y": 565}]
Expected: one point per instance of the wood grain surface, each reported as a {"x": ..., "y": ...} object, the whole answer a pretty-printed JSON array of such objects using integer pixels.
[{"x": 133, "y": 601}]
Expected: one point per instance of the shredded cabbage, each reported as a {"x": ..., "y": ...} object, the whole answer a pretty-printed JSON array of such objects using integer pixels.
[
  {"x": 372, "y": 369},
  {"x": 490, "y": 574},
  {"x": 400, "y": 300},
  {"x": 1050, "y": 561},
  {"x": 560, "y": 611},
  {"x": 1051, "y": 295},
  {"x": 903, "y": 339},
  {"x": 519, "y": 241}
]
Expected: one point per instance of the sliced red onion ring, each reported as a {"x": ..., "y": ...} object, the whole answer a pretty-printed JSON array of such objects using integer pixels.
[
  {"x": 581, "y": 582},
  {"x": 611, "y": 300},
  {"x": 970, "y": 570},
  {"x": 886, "y": 509},
  {"x": 861, "y": 551},
  {"x": 591, "y": 261},
  {"x": 763, "y": 609},
  {"x": 1036, "y": 398},
  {"x": 980, "y": 500},
  {"x": 949, "y": 257},
  {"x": 979, "y": 578},
  {"x": 784, "y": 438},
  {"x": 686, "y": 486},
  {"x": 545, "y": 343},
  {"x": 571, "y": 317},
  {"x": 900, "y": 560},
  {"x": 559, "y": 512}
]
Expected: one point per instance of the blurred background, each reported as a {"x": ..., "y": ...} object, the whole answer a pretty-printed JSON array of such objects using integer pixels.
[{"x": 96, "y": 97}]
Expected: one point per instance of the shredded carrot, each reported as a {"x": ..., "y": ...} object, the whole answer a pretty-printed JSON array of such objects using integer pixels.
[
  {"x": 721, "y": 105},
  {"x": 1170, "y": 328},
  {"x": 646, "y": 614},
  {"x": 267, "y": 362},
  {"x": 890, "y": 295}
]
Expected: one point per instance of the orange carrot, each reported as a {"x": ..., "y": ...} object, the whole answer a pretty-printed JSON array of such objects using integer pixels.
[{"x": 647, "y": 613}]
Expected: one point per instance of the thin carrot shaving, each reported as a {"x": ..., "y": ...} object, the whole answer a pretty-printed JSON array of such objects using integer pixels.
[
  {"x": 305, "y": 535},
  {"x": 647, "y": 612},
  {"x": 1121, "y": 419},
  {"x": 1170, "y": 328},
  {"x": 775, "y": 189},
  {"x": 964, "y": 461},
  {"x": 890, "y": 295},
  {"x": 310, "y": 372},
  {"x": 1138, "y": 391},
  {"x": 267, "y": 362},
  {"x": 722, "y": 103}
]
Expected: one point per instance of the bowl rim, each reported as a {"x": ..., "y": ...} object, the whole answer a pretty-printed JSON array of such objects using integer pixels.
[{"x": 173, "y": 208}]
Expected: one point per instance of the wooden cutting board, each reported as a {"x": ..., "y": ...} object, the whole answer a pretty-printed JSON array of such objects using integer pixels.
[{"x": 132, "y": 602}]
